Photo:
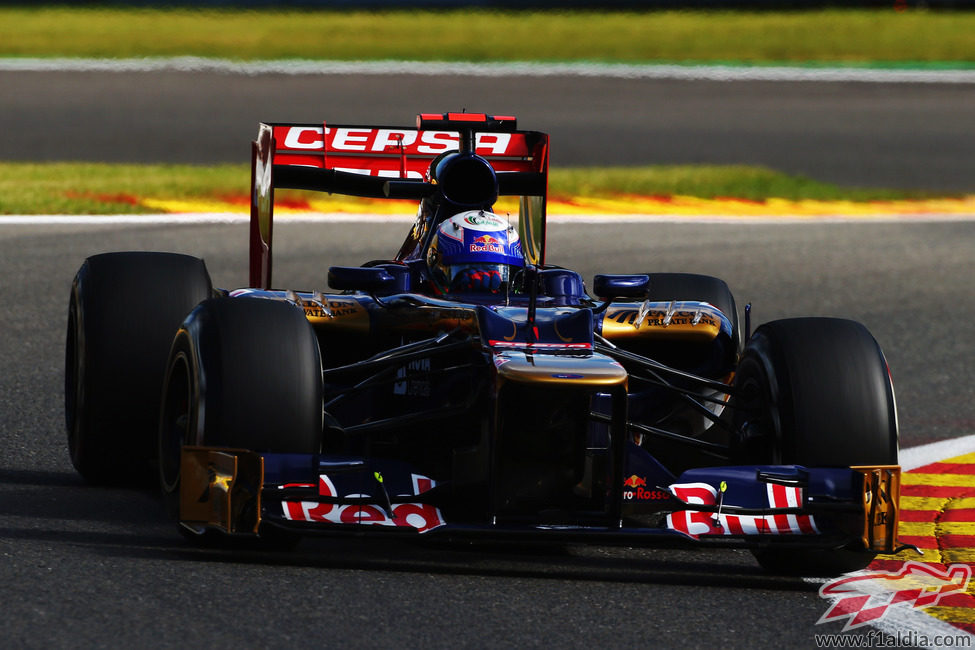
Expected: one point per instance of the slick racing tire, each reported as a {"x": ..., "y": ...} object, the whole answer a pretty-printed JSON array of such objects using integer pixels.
[
  {"x": 244, "y": 373},
  {"x": 123, "y": 312},
  {"x": 702, "y": 288},
  {"x": 816, "y": 392}
]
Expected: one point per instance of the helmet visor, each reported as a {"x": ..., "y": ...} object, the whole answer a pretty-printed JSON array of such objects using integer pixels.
[{"x": 477, "y": 278}]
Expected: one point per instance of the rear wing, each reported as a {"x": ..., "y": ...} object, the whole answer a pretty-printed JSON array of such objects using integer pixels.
[{"x": 392, "y": 162}]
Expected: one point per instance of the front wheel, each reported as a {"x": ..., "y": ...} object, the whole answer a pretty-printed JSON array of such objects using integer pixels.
[
  {"x": 815, "y": 392},
  {"x": 243, "y": 373}
]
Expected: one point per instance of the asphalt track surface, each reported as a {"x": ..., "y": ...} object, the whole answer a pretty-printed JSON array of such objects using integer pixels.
[
  {"x": 87, "y": 566},
  {"x": 905, "y": 135},
  {"x": 84, "y": 566}
]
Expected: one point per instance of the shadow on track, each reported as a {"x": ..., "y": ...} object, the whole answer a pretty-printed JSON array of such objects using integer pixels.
[
  {"x": 58, "y": 508},
  {"x": 722, "y": 568}
]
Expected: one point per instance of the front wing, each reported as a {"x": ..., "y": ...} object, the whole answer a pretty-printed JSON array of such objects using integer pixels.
[{"x": 242, "y": 492}]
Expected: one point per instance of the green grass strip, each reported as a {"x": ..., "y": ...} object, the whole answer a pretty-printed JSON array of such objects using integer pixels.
[
  {"x": 708, "y": 182},
  {"x": 824, "y": 37},
  {"x": 103, "y": 188}
]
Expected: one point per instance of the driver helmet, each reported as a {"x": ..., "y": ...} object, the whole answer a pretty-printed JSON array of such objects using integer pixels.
[{"x": 474, "y": 252}]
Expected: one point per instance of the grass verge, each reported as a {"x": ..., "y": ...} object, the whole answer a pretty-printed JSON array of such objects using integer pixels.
[
  {"x": 104, "y": 188},
  {"x": 834, "y": 36}
]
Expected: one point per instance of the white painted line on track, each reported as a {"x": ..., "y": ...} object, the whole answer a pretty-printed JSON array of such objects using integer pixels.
[
  {"x": 196, "y": 218},
  {"x": 494, "y": 69},
  {"x": 124, "y": 219},
  {"x": 756, "y": 219},
  {"x": 348, "y": 217},
  {"x": 914, "y": 457}
]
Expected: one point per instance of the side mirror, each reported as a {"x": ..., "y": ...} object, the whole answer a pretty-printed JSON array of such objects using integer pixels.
[
  {"x": 608, "y": 287},
  {"x": 562, "y": 283}
]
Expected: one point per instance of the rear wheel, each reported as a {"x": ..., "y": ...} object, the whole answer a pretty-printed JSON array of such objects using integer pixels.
[
  {"x": 815, "y": 392},
  {"x": 243, "y": 373},
  {"x": 123, "y": 312}
]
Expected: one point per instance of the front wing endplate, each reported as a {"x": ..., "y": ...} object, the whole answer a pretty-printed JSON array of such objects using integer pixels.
[
  {"x": 881, "y": 496},
  {"x": 220, "y": 489}
]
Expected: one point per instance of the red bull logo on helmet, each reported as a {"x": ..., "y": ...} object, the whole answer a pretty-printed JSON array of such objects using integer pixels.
[{"x": 486, "y": 244}]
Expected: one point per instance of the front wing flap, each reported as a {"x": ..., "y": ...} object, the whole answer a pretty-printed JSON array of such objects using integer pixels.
[
  {"x": 238, "y": 492},
  {"x": 787, "y": 501}
]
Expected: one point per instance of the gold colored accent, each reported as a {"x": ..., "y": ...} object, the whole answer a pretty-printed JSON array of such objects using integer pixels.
[
  {"x": 566, "y": 370},
  {"x": 661, "y": 320},
  {"x": 339, "y": 313},
  {"x": 514, "y": 332},
  {"x": 216, "y": 486},
  {"x": 881, "y": 498},
  {"x": 565, "y": 339},
  {"x": 531, "y": 219}
]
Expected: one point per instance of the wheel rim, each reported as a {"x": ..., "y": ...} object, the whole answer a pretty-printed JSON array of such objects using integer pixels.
[
  {"x": 174, "y": 423},
  {"x": 757, "y": 418}
]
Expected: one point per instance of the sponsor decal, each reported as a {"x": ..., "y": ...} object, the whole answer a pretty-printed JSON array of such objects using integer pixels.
[
  {"x": 635, "y": 481},
  {"x": 657, "y": 318},
  {"x": 337, "y": 308},
  {"x": 641, "y": 494},
  {"x": 481, "y": 219},
  {"x": 564, "y": 375},
  {"x": 368, "y": 140},
  {"x": 421, "y": 516},
  {"x": 411, "y": 384},
  {"x": 696, "y": 524},
  {"x": 637, "y": 490},
  {"x": 486, "y": 244},
  {"x": 866, "y": 596}
]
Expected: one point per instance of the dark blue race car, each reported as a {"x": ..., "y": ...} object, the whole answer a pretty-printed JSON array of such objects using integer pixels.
[{"x": 466, "y": 388}]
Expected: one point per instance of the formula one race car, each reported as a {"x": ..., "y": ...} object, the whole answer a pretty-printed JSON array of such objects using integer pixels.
[{"x": 466, "y": 388}]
